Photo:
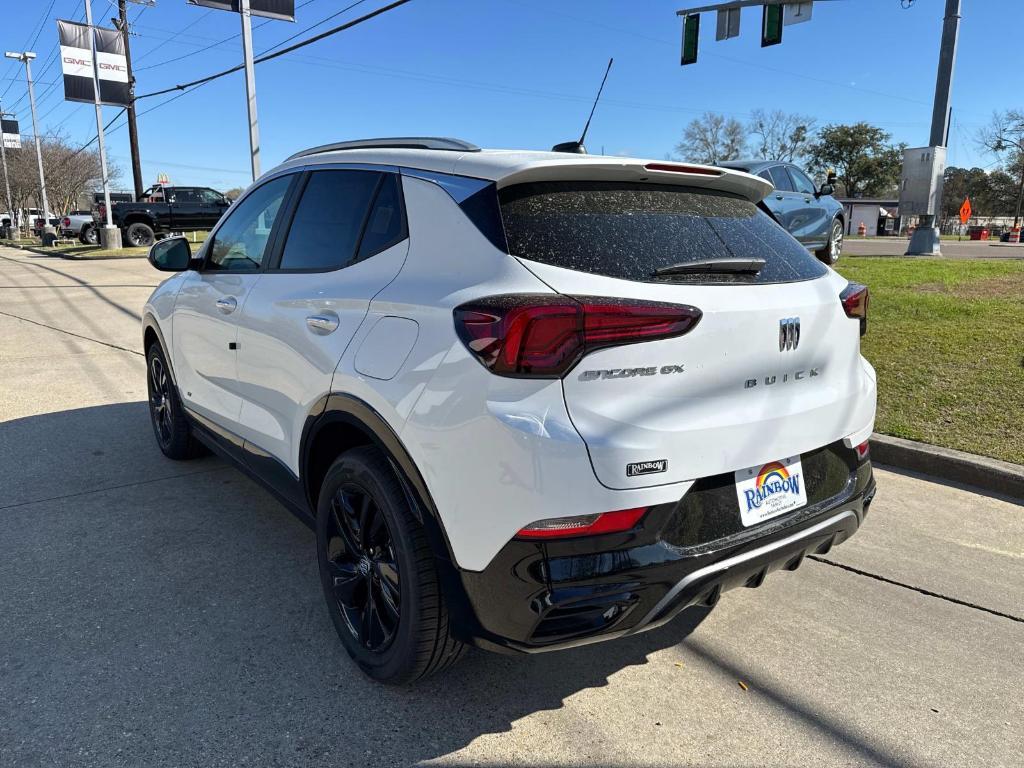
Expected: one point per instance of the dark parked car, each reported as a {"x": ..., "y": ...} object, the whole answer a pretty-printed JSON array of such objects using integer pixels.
[
  {"x": 810, "y": 214},
  {"x": 165, "y": 209}
]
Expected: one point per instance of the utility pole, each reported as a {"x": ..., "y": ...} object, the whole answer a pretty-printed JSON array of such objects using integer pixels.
[
  {"x": 250, "y": 88},
  {"x": 925, "y": 240},
  {"x": 49, "y": 233},
  {"x": 110, "y": 236},
  {"x": 7, "y": 180},
  {"x": 133, "y": 127}
]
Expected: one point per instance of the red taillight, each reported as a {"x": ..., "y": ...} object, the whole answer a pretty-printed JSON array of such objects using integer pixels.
[
  {"x": 862, "y": 450},
  {"x": 546, "y": 335},
  {"x": 103, "y": 211},
  {"x": 583, "y": 525},
  {"x": 855, "y": 303},
  {"x": 65, "y": 222},
  {"x": 674, "y": 168}
]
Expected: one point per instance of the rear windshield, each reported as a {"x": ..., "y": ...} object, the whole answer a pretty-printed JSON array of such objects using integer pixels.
[{"x": 630, "y": 230}]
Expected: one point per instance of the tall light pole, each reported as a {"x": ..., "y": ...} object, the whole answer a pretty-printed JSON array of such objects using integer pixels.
[
  {"x": 7, "y": 180},
  {"x": 49, "y": 233},
  {"x": 250, "y": 88},
  {"x": 110, "y": 236}
]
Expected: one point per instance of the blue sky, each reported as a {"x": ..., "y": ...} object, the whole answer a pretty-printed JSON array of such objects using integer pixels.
[{"x": 519, "y": 73}]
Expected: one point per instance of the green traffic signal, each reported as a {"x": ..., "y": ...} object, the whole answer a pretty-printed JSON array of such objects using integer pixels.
[
  {"x": 691, "y": 34},
  {"x": 771, "y": 25}
]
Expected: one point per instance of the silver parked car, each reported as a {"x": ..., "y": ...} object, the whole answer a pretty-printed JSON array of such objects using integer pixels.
[
  {"x": 809, "y": 213},
  {"x": 80, "y": 224}
]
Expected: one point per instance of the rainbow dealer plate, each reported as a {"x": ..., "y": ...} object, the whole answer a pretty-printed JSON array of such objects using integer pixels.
[{"x": 769, "y": 490}]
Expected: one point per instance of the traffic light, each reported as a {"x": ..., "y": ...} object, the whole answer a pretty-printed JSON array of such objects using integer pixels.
[
  {"x": 771, "y": 25},
  {"x": 691, "y": 34}
]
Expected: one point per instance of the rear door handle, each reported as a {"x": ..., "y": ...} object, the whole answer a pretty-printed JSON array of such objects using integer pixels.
[
  {"x": 778, "y": 197},
  {"x": 323, "y": 324},
  {"x": 227, "y": 305}
]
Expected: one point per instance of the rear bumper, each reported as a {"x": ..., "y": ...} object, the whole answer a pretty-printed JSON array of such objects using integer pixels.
[{"x": 546, "y": 596}]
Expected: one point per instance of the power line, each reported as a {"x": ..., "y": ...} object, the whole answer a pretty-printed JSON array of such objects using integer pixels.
[
  {"x": 267, "y": 57},
  {"x": 208, "y": 47}
]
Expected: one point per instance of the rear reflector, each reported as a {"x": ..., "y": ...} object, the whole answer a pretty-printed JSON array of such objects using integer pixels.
[
  {"x": 862, "y": 450},
  {"x": 855, "y": 303},
  {"x": 583, "y": 525},
  {"x": 545, "y": 335},
  {"x": 673, "y": 168}
]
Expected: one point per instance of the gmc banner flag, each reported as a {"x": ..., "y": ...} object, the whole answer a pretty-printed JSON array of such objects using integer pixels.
[
  {"x": 76, "y": 63},
  {"x": 11, "y": 134},
  {"x": 274, "y": 9}
]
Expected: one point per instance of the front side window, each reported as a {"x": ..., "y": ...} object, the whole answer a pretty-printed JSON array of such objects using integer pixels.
[
  {"x": 801, "y": 182},
  {"x": 241, "y": 242},
  {"x": 329, "y": 218},
  {"x": 208, "y": 196}
]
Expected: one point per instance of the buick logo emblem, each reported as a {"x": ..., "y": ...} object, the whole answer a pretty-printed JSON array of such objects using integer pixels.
[{"x": 789, "y": 333}]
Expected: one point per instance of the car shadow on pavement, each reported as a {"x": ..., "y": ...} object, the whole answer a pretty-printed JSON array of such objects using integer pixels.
[{"x": 155, "y": 612}]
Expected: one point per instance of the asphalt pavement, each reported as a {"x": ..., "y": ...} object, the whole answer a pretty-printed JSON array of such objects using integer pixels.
[
  {"x": 951, "y": 249},
  {"x": 155, "y": 613}
]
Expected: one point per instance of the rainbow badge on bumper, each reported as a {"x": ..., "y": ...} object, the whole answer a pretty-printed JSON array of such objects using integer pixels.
[{"x": 767, "y": 490}]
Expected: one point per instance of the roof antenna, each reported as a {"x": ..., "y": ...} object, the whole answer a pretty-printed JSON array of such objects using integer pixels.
[{"x": 576, "y": 147}]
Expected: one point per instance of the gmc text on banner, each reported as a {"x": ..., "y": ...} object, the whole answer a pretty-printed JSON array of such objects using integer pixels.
[{"x": 76, "y": 64}]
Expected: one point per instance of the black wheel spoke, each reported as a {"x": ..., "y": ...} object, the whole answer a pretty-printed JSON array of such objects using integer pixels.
[
  {"x": 346, "y": 579},
  {"x": 363, "y": 576}
]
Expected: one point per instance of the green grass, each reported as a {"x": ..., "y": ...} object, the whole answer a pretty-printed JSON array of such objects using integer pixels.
[
  {"x": 78, "y": 251},
  {"x": 947, "y": 340}
]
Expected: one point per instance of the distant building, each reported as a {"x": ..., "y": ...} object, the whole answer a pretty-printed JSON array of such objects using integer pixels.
[{"x": 880, "y": 216}]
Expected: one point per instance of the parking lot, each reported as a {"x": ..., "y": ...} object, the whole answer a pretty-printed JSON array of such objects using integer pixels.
[{"x": 161, "y": 613}]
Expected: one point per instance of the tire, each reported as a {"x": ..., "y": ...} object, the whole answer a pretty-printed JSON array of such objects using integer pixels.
[
  {"x": 378, "y": 573},
  {"x": 140, "y": 235},
  {"x": 833, "y": 250},
  {"x": 89, "y": 236},
  {"x": 170, "y": 426}
]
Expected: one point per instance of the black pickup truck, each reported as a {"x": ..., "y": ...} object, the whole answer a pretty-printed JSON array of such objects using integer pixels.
[{"x": 164, "y": 209}]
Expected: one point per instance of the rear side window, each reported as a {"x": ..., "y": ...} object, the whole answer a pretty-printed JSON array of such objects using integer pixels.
[
  {"x": 385, "y": 225},
  {"x": 630, "y": 230},
  {"x": 325, "y": 230},
  {"x": 780, "y": 179}
]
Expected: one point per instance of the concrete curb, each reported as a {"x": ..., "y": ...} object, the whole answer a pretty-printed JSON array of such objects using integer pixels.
[
  {"x": 992, "y": 475},
  {"x": 74, "y": 256}
]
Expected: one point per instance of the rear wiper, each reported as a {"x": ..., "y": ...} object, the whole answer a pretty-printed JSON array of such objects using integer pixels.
[{"x": 712, "y": 267}]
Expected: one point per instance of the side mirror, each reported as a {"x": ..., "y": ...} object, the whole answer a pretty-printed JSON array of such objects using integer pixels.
[
  {"x": 171, "y": 255},
  {"x": 826, "y": 189}
]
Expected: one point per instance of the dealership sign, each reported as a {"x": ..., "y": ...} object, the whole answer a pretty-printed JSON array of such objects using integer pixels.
[
  {"x": 11, "y": 134},
  {"x": 274, "y": 9},
  {"x": 111, "y": 70}
]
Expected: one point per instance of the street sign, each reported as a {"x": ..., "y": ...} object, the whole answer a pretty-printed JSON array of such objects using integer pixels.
[
  {"x": 728, "y": 24},
  {"x": 11, "y": 134},
  {"x": 965, "y": 210},
  {"x": 274, "y": 9},
  {"x": 76, "y": 64},
  {"x": 691, "y": 35},
  {"x": 797, "y": 13}
]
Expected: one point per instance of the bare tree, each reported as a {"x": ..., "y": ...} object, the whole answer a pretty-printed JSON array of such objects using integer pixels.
[
  {"x": 71, "y": 173},
  {"x": 712, "y": 139},
  {"x": 778, "y": 135},
  {"x": 1004, "y": 138}
]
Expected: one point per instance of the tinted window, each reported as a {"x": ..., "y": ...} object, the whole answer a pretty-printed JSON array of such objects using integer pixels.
[
  {"x": 208, "y": 196},
  {"x": 241, "y": 242},
  {"x": 184, "y": 195},
  {"x": 780, "y": 179},
  {"x": 801, "y": 182},
  {"x": 766, "y": 176},
  {"x": 386, "y": 224},
  {"x": 630, "y": 230},
  {"x": 328, "y": 220}
]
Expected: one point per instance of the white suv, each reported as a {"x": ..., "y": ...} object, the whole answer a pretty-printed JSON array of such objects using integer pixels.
[{"x": 528, "y": 400}]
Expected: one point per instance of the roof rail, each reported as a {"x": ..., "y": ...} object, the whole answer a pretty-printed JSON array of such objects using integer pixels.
[{"x": 397, "y": 142}]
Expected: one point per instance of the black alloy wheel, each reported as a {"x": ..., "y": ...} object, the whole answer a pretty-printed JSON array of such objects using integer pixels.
[
  {"x": 363, "y": 567},
  {"x": 160, "y": 409}
]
